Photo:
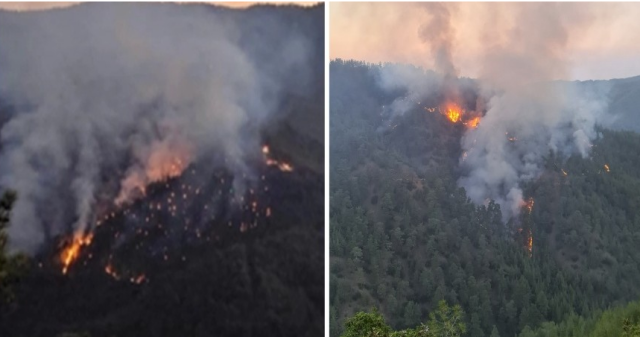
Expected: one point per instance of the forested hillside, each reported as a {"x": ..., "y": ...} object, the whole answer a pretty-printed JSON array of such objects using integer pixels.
[
  {"x": 620, "y": 321},
  {"x": 202, "y": 248},
  {"x": 404, "y": 236}
]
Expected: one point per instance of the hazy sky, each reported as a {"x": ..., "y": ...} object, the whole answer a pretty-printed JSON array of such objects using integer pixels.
[
  {"x": 22, "y": 6},
  {"x": 592, "y": 40}
]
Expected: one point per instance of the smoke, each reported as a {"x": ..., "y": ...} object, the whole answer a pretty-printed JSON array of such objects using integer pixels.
[
  {"x": 413, "y": 81},
  {"x": 525, "y": 49},
  {"x": 439, "y": 35},
  {"x": 518, "y": 130},
  {"x": 531, "y": 114},
  {"x": 108, "y": 98}
]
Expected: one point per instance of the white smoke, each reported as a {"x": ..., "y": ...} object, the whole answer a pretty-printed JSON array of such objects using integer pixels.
[
  {"x": 528, "y": 112},
  {"x": 518, "y": 130},
  {"x": 103, "y": 91}
]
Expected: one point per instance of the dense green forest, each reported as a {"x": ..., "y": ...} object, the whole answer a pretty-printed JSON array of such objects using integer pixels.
[
  {"x": 445, "y": 321},
  {"x": 621, "y": 321},
  {"x": 404, "y": 236}
]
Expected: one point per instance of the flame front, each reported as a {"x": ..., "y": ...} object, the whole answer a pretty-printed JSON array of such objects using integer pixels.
[
  {"x": 453, "y": 112},
  {"x": 72, "y": 251},
  {"x": 529, "y": 239}
]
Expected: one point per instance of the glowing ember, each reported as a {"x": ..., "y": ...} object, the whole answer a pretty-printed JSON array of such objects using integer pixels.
[
  {"x": 138, "y": 280},
  {"x": 111, "y": 271},
  {"x": 72, "y": 251},
  {"x": 606, "y": 167},
  {"x": 529, "y": 205},
  {"x": 284, "y": 167}
]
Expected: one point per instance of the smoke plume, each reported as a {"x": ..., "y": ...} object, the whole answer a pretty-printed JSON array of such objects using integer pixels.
[
  {"x": 107, "y": 98},
  {"x": 531, "y": 114},
  {"x": 526, "y": 111},
  {"x": 439, "y": 35}
]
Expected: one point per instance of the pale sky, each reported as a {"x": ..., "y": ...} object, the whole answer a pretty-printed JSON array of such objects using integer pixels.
[
  {"x": 25, "y": 6},
  {"x": 602, "y": 39}
]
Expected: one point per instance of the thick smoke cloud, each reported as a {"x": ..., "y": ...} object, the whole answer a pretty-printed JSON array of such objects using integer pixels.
[
  {"x": 531, "y": 114},
  {"x": 527, "y": 112},
  {"x": 519, "y": 129},
  {"x": 108, "y": 97}
]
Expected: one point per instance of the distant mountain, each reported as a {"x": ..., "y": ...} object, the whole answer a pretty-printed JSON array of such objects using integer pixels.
[{"x": 624, "y": 102}]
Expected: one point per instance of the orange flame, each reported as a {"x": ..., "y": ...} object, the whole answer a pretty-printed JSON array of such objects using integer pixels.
[
  {"x": 70, "y": 253},
  {"x": 453, "y": 112},
  {"x": 456, "y": 114},
  {"x": 473, "y": 122},
  {"x": 530, "y": 243},
  {"x": 606, "y": 167}
]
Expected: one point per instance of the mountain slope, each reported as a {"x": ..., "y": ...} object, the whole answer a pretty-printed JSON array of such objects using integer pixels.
[
  {"x": 209, "y": 251},
  {"x": 404, "y": 235}
]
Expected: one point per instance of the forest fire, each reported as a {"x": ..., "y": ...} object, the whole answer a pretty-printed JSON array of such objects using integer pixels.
[
  {"x": 528, "y": 240},
  {"x": 284, "y": 167},
  {"x": 473, "y": 122},
  {"x": 164, "y": 162},
  {"x": 529, "y": 205},
  {"x": 606, "y": 168},
  {"x": 168, "y": 206},
  {"x": 72, "y": 251},
  {"x": 453, "y": 112}
]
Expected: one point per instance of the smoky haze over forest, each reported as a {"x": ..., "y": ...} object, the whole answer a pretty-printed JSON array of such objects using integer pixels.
[
  {"x": 525, "y": 112},
  {"x": 96, "y": 97}
]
